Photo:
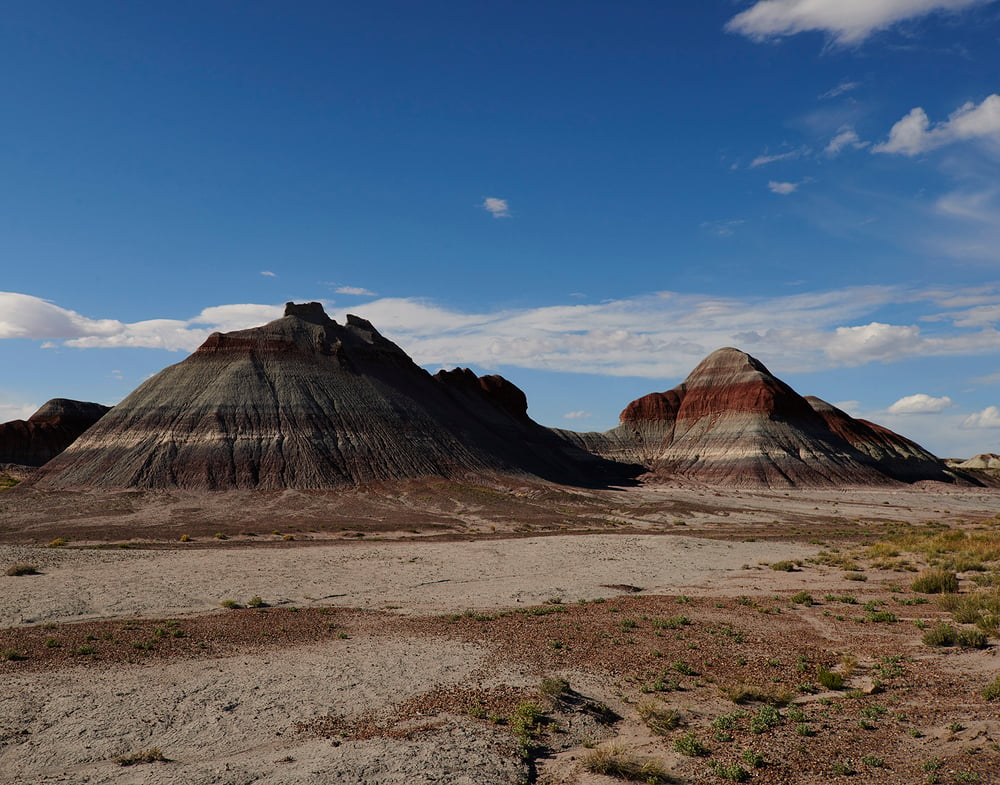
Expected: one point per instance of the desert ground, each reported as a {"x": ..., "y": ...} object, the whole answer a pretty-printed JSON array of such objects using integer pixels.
[{"x": 445, "y": 633}]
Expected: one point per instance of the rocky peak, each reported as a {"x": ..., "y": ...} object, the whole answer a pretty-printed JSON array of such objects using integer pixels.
[{"x": 308, "y": 312}]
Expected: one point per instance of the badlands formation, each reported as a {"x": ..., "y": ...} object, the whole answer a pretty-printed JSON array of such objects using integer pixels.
[
  {"x": 296, "y": 558},
  {"x": 46, "y": 433}
]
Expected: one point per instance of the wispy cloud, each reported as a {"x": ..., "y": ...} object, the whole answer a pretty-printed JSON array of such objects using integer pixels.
[
  {"x": 843, "y": 87},
  {"x": 914, "y": 134},
  {"x": 268, "y": 274},
  {"x": 355, "y": 291},
  {"x": 846, "y": 21},
  {"x": 498, "y": 208},
  {"x": 14, "y": 410},
  {"x": 723, "y": 228},
  {"x": 580, "y": 415},
  {"x": 921, "y": 404},
  {"x": 783, "y": 188},
  {"x": 769, "y": 158}
]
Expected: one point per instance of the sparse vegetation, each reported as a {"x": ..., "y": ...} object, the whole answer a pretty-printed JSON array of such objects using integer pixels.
[
  {"x": 58, "y": 542},
  {"x": 256, "y": 602},
  {"x": 12, "y": 655},
  {"x": 22, "y": 568},
  {"x": 230, "y": 604},
  {"x": 801, "y": 598},
  {"x": 784, "y": 566}
]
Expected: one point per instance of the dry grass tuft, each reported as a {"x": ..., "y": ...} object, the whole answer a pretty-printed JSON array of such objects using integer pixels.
[
  {"x": 615, "y": 760},
  {"x": 152, "y": 755},
  {"x": 22, "y": 568},
  {"x": 935, "y": 581}
]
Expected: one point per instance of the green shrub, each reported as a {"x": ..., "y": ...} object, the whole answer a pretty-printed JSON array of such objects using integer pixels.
[
  {"x": 688, "y": 744},
  {"x": 12, "y": 655},
  {"x": 733, "y": 772},
  {"x": 231, "y": 604},
  {"x": 992, "y": 691},
  {"x": 941, "y": 634},
  {"x": 971, "y": 638},
  {"x": 935, "y": 581},
  {"x": 802, "y": 598},
  {"x": 784, "y": 566},
  {"x": 767, "y": 717},
  {"x": 753, "y": 758},
  {"x": 256, "y": 602},
  {"x": 829, "y": 679}
]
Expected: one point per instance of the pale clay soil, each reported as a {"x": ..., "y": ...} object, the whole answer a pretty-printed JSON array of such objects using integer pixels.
[{"x": 243, "y": 715}]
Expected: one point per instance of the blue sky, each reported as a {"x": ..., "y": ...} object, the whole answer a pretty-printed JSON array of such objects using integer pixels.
[{"x": 586, "y": 197}]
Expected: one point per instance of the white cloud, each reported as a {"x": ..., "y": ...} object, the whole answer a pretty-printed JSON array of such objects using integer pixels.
[
  {"x": 580, "y": 415},
  {"x": 871, "y": 342},
  {"x": 914, "y": 134},
  {"x": 987, "y": 418},
  {"x": 498, "y": 208},
  {"x": 355, "y": 291},
  {"x": 846, "y": 21},
  {"x": 764, "y": 159},
  {"x": 920, "y": 404},
  {"x": 268, "y": 273},
  {"x": 846, "y": 137},
  {"x": 783, "y": 188},
  {"x": 25, "y": 316}
]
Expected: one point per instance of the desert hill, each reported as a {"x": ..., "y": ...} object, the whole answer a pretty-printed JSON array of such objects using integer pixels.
[
  {"x": 47, "y": 432},
  {"x": 731, "y": 421},
  {"x": 305, "y": 402}
]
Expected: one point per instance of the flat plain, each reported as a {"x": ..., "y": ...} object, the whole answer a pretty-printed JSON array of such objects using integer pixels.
[{"x": 448, "y": 633}]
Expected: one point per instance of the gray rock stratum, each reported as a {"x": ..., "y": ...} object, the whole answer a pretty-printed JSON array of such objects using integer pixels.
[
  {"x": 732, "y": 422},
  {"x": 305, "y": 402}
]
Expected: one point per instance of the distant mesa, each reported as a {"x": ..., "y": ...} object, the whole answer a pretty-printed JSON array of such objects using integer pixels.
[
  {"x": 987, "y": 463},
  {"x": 733, "y": 422},
  {"x": 305, "y": 402},
  {"x": 46, "y": 433}
]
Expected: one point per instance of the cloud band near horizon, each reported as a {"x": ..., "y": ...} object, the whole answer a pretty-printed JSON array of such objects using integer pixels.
[{"x": 654, "y": 335}]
